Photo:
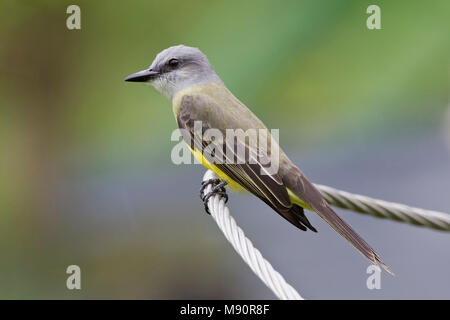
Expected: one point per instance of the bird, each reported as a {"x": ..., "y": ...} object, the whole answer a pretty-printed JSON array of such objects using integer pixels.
[{"x": 198, "y": 95}]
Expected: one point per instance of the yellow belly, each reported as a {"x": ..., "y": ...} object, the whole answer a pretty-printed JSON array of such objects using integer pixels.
[
  {"x": 222, "y": 176},
  {"x": 236, "y": 186}
]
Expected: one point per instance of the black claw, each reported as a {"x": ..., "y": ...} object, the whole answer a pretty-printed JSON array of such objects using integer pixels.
[
  {"x": 218, "y": 188},
  {"x": 207, "y": 183}
]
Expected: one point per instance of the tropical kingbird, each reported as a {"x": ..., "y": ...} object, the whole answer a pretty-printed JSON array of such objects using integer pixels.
[{"x": 185, "y": 76}]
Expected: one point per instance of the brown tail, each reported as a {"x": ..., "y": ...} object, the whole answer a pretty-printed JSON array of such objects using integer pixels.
[
  {"x": 340, "y": 226},
  {"x": 312, "y": 197}
]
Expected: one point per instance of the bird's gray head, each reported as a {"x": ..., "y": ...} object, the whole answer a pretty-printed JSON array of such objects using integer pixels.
[{"x": 175, "y": 69}]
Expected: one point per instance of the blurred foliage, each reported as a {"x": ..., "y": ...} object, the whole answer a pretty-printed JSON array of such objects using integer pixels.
[{"x": 311, "y": 68}]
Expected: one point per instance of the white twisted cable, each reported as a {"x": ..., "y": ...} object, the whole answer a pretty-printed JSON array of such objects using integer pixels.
[
  {"x": 384, "y": 209},
  {"x": 244, "y": 247},
  {"x": 358, "y": 203}
]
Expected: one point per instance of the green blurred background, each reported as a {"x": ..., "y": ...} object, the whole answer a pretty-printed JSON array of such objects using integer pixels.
[{"x": 86, "y": 176}]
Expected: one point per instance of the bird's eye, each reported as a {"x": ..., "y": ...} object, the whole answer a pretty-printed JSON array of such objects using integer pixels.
[{"x": 173, "y": 63}]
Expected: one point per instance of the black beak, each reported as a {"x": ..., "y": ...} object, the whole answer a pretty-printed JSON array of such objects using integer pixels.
[{"x": 142, "y": 76}]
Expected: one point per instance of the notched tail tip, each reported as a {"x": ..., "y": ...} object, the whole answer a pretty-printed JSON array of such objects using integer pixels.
[
  {"x": 378, "y": 262},
  {"x": 386, "y": 268}
]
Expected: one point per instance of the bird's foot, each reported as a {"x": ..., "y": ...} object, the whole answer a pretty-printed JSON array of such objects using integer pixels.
[{"x": 218, "y": 187}]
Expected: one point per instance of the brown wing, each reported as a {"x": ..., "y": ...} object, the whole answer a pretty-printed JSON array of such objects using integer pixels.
[{"x": 268, "y": 187}]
